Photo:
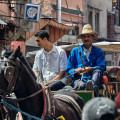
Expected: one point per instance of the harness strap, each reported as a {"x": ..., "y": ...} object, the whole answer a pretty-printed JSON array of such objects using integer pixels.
[
  {"x": 30, "y": 96},
  {"x": 49, "y": 107},
  {"x": 3, "y": 109},
  {"x": 71, "y": 100}
]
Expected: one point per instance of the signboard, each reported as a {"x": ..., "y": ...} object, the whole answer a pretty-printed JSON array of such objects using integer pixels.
[
  {"x": 114, "y": 3},
  {"x": 32, "y": 12}
]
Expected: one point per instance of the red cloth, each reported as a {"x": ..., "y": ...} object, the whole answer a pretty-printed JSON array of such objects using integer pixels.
[
  {"x": 105, "y": 79},
  {"x": 117, "y": 100}
]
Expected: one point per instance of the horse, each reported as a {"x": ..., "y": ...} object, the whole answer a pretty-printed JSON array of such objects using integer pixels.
[
  {"x": 16, "y": 76},
  {"x": 5, "y": 113}
]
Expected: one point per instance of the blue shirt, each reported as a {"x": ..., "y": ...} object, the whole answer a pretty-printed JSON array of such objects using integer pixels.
[{"x": 96, "y": 60}]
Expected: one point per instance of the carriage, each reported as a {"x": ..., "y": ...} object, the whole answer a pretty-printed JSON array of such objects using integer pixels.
[
  {"x": 111, "y": 85},
  {"x": 16, "y": 76}
]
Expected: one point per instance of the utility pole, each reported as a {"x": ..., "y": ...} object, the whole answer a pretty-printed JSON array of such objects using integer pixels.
[{"x": 59, "y": 11}]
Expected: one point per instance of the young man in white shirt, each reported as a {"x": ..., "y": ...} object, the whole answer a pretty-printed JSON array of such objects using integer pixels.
[{"x": 51, "y": 60}]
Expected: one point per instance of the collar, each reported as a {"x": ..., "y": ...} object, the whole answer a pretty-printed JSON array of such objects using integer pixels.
[
  {"x": 53, "y": 50},
  {"x": 84, "y": 49}
]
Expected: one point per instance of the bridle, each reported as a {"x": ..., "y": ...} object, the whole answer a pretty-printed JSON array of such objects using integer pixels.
[{"x": 10, "y": 74}]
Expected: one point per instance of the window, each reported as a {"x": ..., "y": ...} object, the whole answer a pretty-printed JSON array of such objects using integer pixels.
[
  {"x": 72, "y": 32},
  {"x": 108, "y": 63},
  {"x": 97, "y": 22},
  {"x": 90, "y": 18},
  {"x": 30, "y": 1}
]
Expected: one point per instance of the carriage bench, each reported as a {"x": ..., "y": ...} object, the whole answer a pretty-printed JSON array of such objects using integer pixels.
[
  {"x": 86, "y": 95},
  {"x": 112, "y": 89}
]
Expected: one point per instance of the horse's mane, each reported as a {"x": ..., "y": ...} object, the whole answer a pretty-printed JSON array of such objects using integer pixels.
[
  {"x": 5, "y": 53},
  {"x": 24, "y": 61},
  {"x": 28, "y": 68}
]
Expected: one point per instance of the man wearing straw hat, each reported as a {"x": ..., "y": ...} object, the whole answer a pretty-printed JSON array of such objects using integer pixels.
[{"x": 86, "y": 63}]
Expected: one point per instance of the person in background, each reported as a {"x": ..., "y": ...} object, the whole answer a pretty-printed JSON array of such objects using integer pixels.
[
  {"x": 86, "y": 63},
  {"x": 51, "y": 60},
  {"x": 100, "y": 108}
]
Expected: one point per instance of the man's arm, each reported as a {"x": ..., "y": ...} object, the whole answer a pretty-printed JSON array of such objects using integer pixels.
[
  {"x": 85, "y": 71},
  {"x": 100, "y": 61},
  {"x": 70, "y": 65},
  {"x": 58, "y": 77},
  {"x": 35, "y": 65}
]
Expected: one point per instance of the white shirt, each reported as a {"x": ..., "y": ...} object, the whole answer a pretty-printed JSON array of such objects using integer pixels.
[
  {"x": 51, "y": 63},
  {"x": 87, "y": 51}
]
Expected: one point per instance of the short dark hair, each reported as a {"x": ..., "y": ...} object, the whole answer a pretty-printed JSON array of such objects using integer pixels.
[{"x": 42, "y": 34}]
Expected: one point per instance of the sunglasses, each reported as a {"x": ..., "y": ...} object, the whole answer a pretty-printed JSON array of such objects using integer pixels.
[{"x": 37, "y": 40}]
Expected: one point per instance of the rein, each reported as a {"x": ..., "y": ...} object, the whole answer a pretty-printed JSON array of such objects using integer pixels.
[
  {"x": 10, "y": 79},
  {"x": 30, "y": 96}
]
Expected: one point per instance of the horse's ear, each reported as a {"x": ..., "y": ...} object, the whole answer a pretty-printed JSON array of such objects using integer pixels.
[
  {"x": 16, "y": 53},
  {"x": 3, "y": 51}
]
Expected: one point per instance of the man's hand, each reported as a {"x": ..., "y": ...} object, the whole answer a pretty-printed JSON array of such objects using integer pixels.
[
  {"x": 85, "y": 71},
  {"x": 78, "y": 71},
  {"x": 49, "y": 81}
]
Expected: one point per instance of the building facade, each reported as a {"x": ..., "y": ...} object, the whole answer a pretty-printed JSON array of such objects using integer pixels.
[
  {"x": 95, "y": 13},
  {"x": 66, "y": 12},
  {"x": 104, "y": 17}
]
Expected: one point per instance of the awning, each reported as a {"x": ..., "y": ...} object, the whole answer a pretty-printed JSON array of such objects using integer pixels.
[
  {"x": 2, "y": 22},
  {"x": 59, "y": 25},
  {"x": 112, "y": 47},
  {"x": 57, "y": 30}
]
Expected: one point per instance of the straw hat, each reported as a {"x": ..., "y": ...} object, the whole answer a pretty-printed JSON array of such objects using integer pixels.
[{"x": 87, "y": 29}]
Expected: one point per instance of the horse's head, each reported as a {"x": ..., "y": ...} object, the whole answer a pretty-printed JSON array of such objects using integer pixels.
[
  {"x": 8, "y": 67},
  {"x": 17, "y": 77}
]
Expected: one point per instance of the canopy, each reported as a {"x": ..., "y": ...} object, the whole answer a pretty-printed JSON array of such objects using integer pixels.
[
  {"x": 56, "y": 30},
  {"x": 105, "y": 46}
]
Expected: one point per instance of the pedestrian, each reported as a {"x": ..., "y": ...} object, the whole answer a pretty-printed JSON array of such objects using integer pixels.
[
  {"x": 51, "y": 60},
  {"x": 86, "y": 63},
  {"x": 100, "y": 108}
]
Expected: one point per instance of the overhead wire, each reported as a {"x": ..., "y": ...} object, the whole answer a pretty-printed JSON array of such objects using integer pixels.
[{"x": 76, "y": 37}]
